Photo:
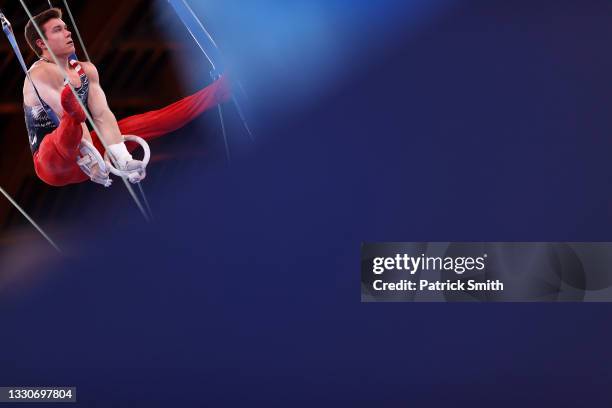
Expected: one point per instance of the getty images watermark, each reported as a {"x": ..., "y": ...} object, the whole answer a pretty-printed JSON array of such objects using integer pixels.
[
  {"x": 414, "y": 264},
  {"x": 486, "y": 271}
]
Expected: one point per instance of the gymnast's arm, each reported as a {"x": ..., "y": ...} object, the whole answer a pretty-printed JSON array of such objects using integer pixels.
[
  {"x": 98, "y": 107},
  {"x": 49, "y": 84}
]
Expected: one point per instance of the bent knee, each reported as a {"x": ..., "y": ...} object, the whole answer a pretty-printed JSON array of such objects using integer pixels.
[{"x": 56, "y": 172}]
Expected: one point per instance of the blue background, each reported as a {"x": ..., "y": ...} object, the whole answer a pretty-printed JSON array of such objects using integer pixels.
[{"x": 481, "y": 120}]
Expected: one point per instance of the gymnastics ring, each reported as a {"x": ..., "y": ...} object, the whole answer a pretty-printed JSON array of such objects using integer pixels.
[{"x": 145, "y": 160}]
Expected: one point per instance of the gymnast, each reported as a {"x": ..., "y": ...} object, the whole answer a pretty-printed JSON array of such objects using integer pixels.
[{"x": 55, "y": 120}]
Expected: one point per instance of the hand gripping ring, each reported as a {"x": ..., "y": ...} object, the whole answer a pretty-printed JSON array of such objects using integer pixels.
[
  {"x": 145, "y": 160},
  {"x": 89, "y": 157}
]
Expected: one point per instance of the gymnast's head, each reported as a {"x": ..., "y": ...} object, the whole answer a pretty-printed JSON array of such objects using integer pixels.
[{"x": 55, "y": 31}]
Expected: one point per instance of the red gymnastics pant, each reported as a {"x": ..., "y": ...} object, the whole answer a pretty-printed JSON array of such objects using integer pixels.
[{"x": 55, "y": 160}]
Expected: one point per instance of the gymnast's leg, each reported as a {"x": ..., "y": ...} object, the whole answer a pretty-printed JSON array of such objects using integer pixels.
[
  {"x": 55, "y": 160},
  {"x": 153, "y": 124}
]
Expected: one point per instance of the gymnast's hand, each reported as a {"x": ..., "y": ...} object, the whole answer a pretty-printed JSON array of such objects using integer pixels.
[
  {"x": 99, "y": 176},
  {"x": 137, "y": 171}
]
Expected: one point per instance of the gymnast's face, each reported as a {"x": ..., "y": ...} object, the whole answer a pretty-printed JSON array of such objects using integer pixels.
[{"x": 58, "y": 37}]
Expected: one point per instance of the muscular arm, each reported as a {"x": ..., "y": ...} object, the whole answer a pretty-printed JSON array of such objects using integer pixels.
[
  {"x": 98, "y": 107},
  {"x": 108, "y": 130},
  {"x": 49, "y": 84}
]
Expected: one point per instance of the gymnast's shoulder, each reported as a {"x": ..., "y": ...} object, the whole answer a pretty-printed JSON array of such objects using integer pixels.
[
  {"x": 90, "y": 70},
  {"x": 45, "y": 74}
]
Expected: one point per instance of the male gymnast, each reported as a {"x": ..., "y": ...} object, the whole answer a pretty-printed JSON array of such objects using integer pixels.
[{"x": 55, "y": 148}]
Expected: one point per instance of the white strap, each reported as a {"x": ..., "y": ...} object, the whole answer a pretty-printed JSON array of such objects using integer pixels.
[
  {"x": 145, "y": 160},
  {"x": 89, "y": 158}
]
